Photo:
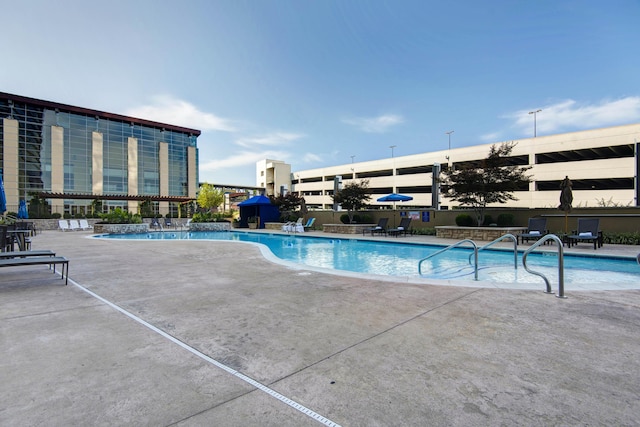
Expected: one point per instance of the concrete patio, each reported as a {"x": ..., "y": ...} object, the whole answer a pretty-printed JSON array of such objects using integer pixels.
[{"x": 195, "y": 333}]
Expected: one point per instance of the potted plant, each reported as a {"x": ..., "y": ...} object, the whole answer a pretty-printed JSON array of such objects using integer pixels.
[{"x": 253, "y": 222}]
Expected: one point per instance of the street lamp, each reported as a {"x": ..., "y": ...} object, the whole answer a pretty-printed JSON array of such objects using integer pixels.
[
  {"x": 392, "y": 147},
  {"x": 534, "y": 121},
  {"x": 449, "y": 133},
  {"x": 352, "y": 157}
]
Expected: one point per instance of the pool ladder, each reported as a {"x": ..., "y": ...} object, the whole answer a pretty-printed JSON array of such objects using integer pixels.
[{"x": 476, "y": 249}]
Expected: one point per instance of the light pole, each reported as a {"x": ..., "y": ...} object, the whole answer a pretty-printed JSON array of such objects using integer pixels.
[
  {"x": 352, "y": 157},
  {"x": 448, "y": 152},
  {"x": 534, "y": 121},
  {"x": 392, "y": 147}
]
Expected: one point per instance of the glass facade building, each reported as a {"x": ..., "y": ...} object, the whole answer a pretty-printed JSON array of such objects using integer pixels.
[{"x": 75, "y": 155}]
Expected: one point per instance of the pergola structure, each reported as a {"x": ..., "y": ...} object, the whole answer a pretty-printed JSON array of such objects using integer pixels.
[{"x": 122, "y": 197}]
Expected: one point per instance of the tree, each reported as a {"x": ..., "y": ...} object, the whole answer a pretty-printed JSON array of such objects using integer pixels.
[
  {"x": 353, "y": 197},
  {"x": 209, "y": 197},
  {"x": 492, "y": 180},
  {"x": 287, "y": 204}
]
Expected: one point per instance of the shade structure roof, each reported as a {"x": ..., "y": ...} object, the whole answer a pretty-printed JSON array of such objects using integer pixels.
[
  {"x": 394, "y": 197},
  {"x": 256, "y": 200}
]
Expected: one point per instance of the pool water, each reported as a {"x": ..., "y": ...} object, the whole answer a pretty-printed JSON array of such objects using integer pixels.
[{"x": 402, "y": 259}]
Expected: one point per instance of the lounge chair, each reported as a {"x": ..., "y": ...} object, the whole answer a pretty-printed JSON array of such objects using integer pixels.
[
  {"x": 309, "y": 223},
  {"x": 381, "y": 228},
  {"x": 403, "y": 228},
  {"x": 84, "y": 224},
  {"x": 39, "y": 260},
  {"x": 168, "y": 223},
  {"x": 73, "y": 225},
  {"x": 293, "y": 227},
  {"x": 588, "y": 231},
  {"x": 155, "y": 224},
  {"x": 23, "y": 254},
  {"x": 535, "y": 230},
  {"x": 63, "y": 224}
]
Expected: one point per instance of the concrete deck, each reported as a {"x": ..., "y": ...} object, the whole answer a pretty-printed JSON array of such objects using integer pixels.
[{"x": 192, "y": 333}]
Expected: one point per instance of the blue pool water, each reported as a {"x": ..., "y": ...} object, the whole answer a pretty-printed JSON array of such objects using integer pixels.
[{"x": 401, "y": 259}]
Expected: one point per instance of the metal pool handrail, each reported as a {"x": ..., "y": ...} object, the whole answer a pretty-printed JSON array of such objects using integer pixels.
[
  {"x": 455, "y": 245},
  {"x": 560, "y": 263},
  {"x": 499, "y": 239}
]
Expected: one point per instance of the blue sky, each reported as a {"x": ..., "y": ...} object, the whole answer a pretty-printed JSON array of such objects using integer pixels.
[{"x": 316, "y": 82}]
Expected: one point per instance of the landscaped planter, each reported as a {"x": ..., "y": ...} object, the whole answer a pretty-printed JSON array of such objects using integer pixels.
[
  {"x": 120, "y": 228},
  {"x": 210, "y": 226},
  {"x": 476, "y": 233}
]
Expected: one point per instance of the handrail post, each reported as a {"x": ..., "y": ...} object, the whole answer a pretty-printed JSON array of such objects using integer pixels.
[{"x": 560, "y": 264}]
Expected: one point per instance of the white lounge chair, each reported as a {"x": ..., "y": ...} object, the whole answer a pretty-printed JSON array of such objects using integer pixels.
[
  {"x": 294, "y": 227},
  {"x": 84, "y": 224},
  {"x": 63, "y": 224},
  {"x": 73, "y": 224}
]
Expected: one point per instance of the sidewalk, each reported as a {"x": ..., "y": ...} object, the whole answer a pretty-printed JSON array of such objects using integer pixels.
[{"x": 194, "y": 333}]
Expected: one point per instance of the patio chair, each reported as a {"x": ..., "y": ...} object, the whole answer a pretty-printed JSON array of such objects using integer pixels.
[
  {"x": 84, "y": 224},
  {"x": 293, "y": 227},
  {"x": 379, "y": 229},
  {"x": 588, "y": 231},
  {"x": 309, "y": 223},
  {"x": 5, "y": 244},
  {"x": 24, "y": 237},
  {"x": 535, "y": 230},
  {"x": 73, "y": 225},
  {"x": 63, "y": 225},
  {"x": 154, "y": 223},
  {"x": 168, "y": 223},
  {"x": 403, "y": 228}
]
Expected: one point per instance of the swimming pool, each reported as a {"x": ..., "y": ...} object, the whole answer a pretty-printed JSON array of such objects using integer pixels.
[{"x": 400, "y": 259}]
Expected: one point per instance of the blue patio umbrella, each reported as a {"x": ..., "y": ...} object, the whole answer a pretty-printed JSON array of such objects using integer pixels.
[
  {"x": 3, "y": 197},
  {"x": 23, "y": 213},
  {"x": 394, "y": 197}
]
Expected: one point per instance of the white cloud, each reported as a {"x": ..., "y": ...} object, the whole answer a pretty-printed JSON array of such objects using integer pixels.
[
  {"x": 571, "y": 115},
  {"x": 494, "y": 136},
  {"x": 242, "y": 158},
  {"x": 311, "y": 157},
  {"x": 273, "y": 139},
  {"x": 166, "y": 109},
  {"x": 378, "y": 124}
]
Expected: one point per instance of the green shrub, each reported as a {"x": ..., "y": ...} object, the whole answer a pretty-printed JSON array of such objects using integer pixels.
[
  {"x": 488, "y": 220},
  {"x": 56, "y": 215},
  {"x": 625, "y": 238},
  {"x": 120, "y": 216},
  {"x": 505, "y": 220},
  {"x": 344, "y": 218},
  {"x": 425, "y": 231},
  {"x": 464, "y": 220}
]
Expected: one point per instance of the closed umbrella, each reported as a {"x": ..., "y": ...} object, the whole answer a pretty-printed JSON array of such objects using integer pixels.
[
  {"x": 394, "y": 197},
  {"x": 23, "y": 213},
  {"x": 3, "y": 197},
  {"x": 566, "y": 199}
]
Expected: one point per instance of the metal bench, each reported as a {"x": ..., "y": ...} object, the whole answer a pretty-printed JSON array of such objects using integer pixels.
[
  {"x": 22, "y": 254},
  {"x": 39, "y": 260}
]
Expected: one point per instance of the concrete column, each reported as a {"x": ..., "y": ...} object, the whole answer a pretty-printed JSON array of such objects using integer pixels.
[
  {"x": 163, "y": 154},
  {"x": 132, "y": 172},
  {"x": 10, "y": 164},
  {"x": 57, "y": 167},
  {"x": 97, "y": 162},
  {"x": 192, "y": 175}
]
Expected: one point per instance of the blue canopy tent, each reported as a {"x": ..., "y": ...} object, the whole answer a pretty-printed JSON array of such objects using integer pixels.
[{"x": 258, "y": 206}]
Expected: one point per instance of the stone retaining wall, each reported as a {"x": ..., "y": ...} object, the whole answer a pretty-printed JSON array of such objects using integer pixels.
[
  {"x": 476, "y": 233},
  {"x": 210, "y": 226}
]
